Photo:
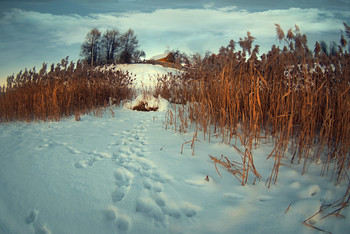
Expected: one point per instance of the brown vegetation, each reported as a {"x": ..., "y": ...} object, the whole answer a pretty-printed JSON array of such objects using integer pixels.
[
  {"x": 297, "y": 98},
  {"x": 143, "y": 106},
  {"x": 65, "y": 90}
]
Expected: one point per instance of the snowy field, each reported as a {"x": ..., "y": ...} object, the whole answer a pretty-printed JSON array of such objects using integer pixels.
[
  {"x": 123, "y": 172},
  {"x": 145, "y": 75}
]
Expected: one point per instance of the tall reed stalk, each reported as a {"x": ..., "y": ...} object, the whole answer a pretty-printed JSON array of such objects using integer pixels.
[
  {"x": 298, "y": 99},
  {"x": 65, "y": 90}
]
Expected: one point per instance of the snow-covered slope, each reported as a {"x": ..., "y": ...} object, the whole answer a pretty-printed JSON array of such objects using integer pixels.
[
  {"x": 146, "y": 75},
  {"x": 124, "y": 173}
]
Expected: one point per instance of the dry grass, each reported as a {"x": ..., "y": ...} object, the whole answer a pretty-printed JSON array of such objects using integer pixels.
[
  {"x": 193, "y": 142},
  {"x": 143, "y": 106},
  {"x": 65, "y": 90},
  {"x": 295, "y": 98}
]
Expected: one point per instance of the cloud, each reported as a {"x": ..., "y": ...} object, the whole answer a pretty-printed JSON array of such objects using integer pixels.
[
  {"x": 176, "y": 25},
  {"x": 33, "y": 36},
  {"x": 209, "y": 27}
]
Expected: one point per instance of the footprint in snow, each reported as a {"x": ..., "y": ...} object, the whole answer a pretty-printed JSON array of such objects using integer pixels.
[
  {"x": 123, "y": 179},
  {"x": 123, "y": 223},
  {"x": 118, "y": 194},
  {"x": 111, "y": 213},
  {"x": 150, "y": 208},
  {"x": 38, "y": 228},
  {"x": 94, "y": 157},
  {"x": 31, "y": 218},
  {"x": 190, "y": 209},
  {"x": 310, "y": 191},
  {"x": 152, "y": 186},
  {"x": 153, "y": 204},
  {"x": 120, "y": 221}
]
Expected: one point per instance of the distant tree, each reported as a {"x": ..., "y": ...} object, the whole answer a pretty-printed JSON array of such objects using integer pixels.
[
  {"x": 110, "y": 47},
  {"x": 138, "y": 54},
  {"x": 196, "y": 60},
  {"x": 128, "y": 46},
  {"x": 90, "y": 49},
  {"x": 110, "y": 43},
  {"x": 180, "y": 57}
]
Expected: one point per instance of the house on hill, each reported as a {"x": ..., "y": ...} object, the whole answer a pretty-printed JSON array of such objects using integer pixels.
[{"x": 163, "y": 58}]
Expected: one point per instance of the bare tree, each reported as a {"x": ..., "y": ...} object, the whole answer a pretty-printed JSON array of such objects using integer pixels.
[
  {"x": 90, "y": 47},
  {"x": 96, "y": 49},
  {"x": 128, "y": 45},
  {"x": 137, "y": 55},
  {"x": 110, "y": 44}
]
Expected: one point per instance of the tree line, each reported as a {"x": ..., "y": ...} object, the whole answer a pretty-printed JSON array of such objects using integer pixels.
[{"x": 111, "y": 46}]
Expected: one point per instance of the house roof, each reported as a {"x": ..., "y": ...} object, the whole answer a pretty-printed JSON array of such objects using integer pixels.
[{"x": 159, "y": 56}]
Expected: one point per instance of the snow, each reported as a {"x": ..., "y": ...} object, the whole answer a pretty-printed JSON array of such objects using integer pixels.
[
  {"x": 146, "y": 75},
  {"x": 151, "y": 102},
  {"x": 159, "y": 56},
  {"x": 123, "y": 173}
]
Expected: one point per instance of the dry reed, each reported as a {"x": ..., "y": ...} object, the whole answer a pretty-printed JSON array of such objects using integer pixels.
[
  {"x": 67, "y": 89},
  {"x": 298, "y": 99}
]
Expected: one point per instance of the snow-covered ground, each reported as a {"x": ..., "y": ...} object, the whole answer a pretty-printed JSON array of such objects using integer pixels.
[
  {"x": 146, "y": 75},
  {"x": 123, "y": 173}
]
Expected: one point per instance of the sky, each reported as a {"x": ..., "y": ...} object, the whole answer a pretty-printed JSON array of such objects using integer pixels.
[{"x": 37, "y": 31}]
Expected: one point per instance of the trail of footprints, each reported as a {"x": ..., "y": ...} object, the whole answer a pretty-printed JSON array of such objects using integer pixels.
[
  {"x": 134, "y": 167},
  {"x": 135, "y": 172}
]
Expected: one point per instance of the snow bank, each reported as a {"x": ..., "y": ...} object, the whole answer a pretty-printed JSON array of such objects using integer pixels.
[
  {"x": 147, "y": 103},
  {"x": 124, "y": 173},
  {"x": 146, "y": 75}
]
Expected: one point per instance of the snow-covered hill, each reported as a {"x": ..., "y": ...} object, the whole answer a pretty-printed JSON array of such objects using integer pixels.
[
  {"x": 124, "y": 173},
  {"x": 146, "y": 75}
]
